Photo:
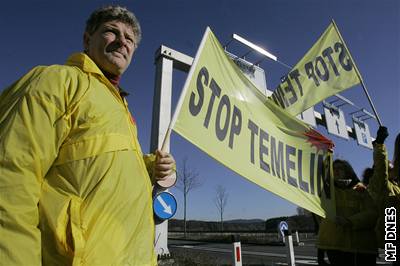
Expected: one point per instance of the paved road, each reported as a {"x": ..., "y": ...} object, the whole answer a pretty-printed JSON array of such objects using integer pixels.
[{"x": 206, "y": 253}]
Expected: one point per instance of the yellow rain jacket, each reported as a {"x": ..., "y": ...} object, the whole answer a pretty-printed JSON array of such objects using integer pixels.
[
  {"x": 385, "y": 192},
  {"x": 74, "y": 188},
  {"x": 359, "y": 208}
]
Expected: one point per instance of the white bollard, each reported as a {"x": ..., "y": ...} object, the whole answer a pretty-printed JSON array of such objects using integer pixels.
[
  {"x": 298, "y": 239},
  {"x": 237, "y": 251},
  {"x": 290, "y": 250}
]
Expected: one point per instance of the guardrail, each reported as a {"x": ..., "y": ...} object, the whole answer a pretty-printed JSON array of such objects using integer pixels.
[{"x": 245, "y": 237}]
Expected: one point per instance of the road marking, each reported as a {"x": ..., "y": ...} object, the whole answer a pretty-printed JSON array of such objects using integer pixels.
[{"x": 256, "y": 253}]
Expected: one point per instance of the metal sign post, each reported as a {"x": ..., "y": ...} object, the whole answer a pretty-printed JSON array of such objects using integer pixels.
[
  {"x": 166, "y": 60},
  {"x": 161, "y": 116}
]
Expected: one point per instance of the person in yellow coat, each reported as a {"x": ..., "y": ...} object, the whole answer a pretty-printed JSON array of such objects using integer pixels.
[
  {"x": 384, "y": 187},
  {"x": 350, "y": 238},
  {"x": 75, "y": 187}
]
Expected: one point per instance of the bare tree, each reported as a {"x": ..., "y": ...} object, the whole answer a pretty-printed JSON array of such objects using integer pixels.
[
  {"x": 188, "y": 179},
  {"x": 220, "y": 200}
]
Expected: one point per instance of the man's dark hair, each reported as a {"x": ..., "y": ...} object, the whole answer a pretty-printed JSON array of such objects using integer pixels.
[{"x": 348, "y": 169}]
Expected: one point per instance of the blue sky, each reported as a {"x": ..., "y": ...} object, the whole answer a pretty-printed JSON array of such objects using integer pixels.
[{"x": 47, "y": 32}]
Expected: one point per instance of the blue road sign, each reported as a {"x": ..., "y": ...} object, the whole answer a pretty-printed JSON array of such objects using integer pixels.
[
  {"x": 283, "y": 226},
  {"x": 164, "y": 205}
]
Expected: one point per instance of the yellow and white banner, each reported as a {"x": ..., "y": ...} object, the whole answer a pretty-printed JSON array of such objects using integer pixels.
[
  {"x": 326, "y": 69},
  {"x": 222, "y": 112}
]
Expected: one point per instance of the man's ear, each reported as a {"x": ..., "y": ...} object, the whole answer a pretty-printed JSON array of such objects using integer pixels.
[{"x": 86, "y": 40}]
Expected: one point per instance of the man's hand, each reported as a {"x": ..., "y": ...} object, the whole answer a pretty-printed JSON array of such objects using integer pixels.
[
  {"x": 360, "y": 187},
  {"x": 381, "y": 135},
  {"x": 164, "y": 165}
]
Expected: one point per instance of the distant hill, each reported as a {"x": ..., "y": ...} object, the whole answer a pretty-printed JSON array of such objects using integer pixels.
[
  {"x": 244, "y": 221},
  {"x": 301, "y": 223}
]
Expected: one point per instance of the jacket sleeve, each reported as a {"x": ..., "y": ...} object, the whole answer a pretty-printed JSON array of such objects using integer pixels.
[
  {"x": 149, "y": 160},
  {"x": 375, "y": 193},
  {"x": 377, "y": 187},
  {"x": 31, "y": 131}
]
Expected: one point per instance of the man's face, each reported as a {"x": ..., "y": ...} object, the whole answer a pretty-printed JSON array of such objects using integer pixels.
[
  {"x": 338, "y": 171},
  {"x": 111, "y": 46}
]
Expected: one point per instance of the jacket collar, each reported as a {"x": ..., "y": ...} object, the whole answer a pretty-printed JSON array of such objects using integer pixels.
[{"x": 84, "y": 62}]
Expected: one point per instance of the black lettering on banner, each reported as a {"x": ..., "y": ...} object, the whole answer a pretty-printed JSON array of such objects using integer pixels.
[
  {"x": 193, "y": 107},
  {"x": 277, "y": 159},
  {"x": 325, "y": 75},
  {"x": 263, "y": 150},
  {"x": 290, "y": 164},
  {"x": 303, "y": 184},
  {"x": 320, "y": 174},
  {"x": 310, "y": 72},
  {"x": 236, "y": 125},
  {"x": 284, "y": 157},
  {"x": 295, "y": 74},
  {"x": 221, "y": 132},
  {"x": 289, "y": 89},
  {"x": 327, "y": 177},
  {"x": 328, "y": 54},
  {"x": 312, "y": 163},
  {"x": 282, "y": 96},
  {"x": 277, "y": 97},
  {"x": 215, "y": 91},
  {"x": 254, "y": 131},
  {"x": 344, "y": 60}
]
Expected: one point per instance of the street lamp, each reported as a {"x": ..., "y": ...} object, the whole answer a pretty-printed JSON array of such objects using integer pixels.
[{"x": 254, "y": 47}]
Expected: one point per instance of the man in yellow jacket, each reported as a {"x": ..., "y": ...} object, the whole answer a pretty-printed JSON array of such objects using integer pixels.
[{"x": 75, "y": 188}]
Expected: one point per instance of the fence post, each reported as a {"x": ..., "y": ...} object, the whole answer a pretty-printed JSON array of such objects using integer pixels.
[{"x": 298, "y": 239}]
